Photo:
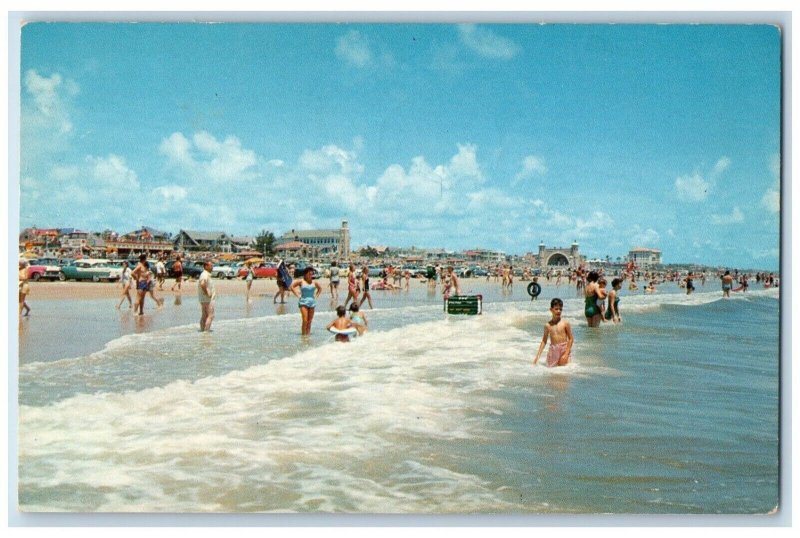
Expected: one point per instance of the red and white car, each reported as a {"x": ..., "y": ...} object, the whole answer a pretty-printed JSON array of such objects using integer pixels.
[
  {"x": 43, "y": 268},
  {"x": 262, "y": 270}
]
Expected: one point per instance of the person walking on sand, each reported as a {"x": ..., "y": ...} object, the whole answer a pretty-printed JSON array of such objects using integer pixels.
[
  {"x": 559, "y": 332},
  {"x": 125, "y": 280},
  {"x": 334, "y": 281},
  {"x": 352, "y": 285},
  {"x": 282, "y": 289},
  {"x": 140, "y": 275},
  {"x": 151, "y": 286},
  {"x": 206, "y": 296},
  {"x": 727, "y": 284},
  {"x": 177, "y": 270},
  {"x": 161, "y": 272},
  {"x": 365, "y": 288},
  {"x": 248, "y": 279},
  {"x": 309, "y": 291},
  {"x": 24, "y": 288}
]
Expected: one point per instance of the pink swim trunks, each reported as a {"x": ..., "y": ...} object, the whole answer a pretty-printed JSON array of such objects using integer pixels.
[{"x": 555, "y": 352}]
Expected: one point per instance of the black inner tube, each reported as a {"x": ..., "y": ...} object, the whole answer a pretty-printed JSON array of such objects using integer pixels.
[{"x": 534, "y": 289}]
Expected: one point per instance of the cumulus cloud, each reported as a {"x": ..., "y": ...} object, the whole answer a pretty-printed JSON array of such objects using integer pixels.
[
  {"x": 771, "y": 201},
  {"x": 645, "y": 237},
  {"x": 720, "y": 167},
  {"x": 171, "y": 193},
  {"x": 735, "y": 217},
  {"x": 331, "y": 159},
  {"x": 48, "y": 97},
  {"x": 692, "y": 188},
  {"x": 207, "y": 158},
  {"x": 111, "y": 173},
  {"x": 487, "y": 43},
  {"x": 354, "y": 49},
  {"x": 531, "y": 166}
]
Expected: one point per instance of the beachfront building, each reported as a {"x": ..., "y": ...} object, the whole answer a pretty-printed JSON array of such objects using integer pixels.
[
  {"x": 40, "y": 240},
  {"x": 559, "y": 257},
  {"x": 479, "y": 255},
  {"x": 243, "y": 244},
  {"x": 645, "y": 257},
  {"x": 144, "y": 240},
  {"x": 296, "y": 250},
  {"x": 192, "y": 241},
  {"x": 331, "y": 244}
]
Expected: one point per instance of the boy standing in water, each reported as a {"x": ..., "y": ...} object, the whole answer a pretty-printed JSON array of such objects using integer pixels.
[{"x": 559, "y": 331}]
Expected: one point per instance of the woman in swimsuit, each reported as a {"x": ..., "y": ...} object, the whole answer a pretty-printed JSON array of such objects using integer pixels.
[
  {"x": 365, "y": 280},
  {"x": 592, "y": 293},
  {"x": 249, "y": 280},
  {"x": 612, "y": 312},
  {"x": 450, "y": 282},
  {"x": 352, "y": 285},
  {"x": 309, "y": 291},
  {"x": 24, "y": 288},
  {"x": 125, "y": 279}
]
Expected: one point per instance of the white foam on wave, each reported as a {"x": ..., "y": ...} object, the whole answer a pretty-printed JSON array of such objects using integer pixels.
[{"x": 354, "y": 416}]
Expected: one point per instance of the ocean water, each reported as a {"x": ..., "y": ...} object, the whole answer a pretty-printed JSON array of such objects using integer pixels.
[{"x": 674, "y": 411}]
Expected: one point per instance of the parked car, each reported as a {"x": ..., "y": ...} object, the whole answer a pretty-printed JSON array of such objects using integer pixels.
[
  {"x": 43, "y": 268},
  {"x": 262, "y": 270},
  {"x": 222, "y": 270},
  {"x": 190, "y": 269},
  {"x": 90, "y": 269},
  {"x": 375, "y": 271},
  {"x": 473, "y": 271}
]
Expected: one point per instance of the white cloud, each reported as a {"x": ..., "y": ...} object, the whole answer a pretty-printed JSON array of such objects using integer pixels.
[
  {"x": 531, "y": 166},
  {"x": 735, "y": 217},
  {"x": 171, "y": 193},
  {"x": 645, "y": 237},
  {"x": 720, "y": 167},
  {"x": 464, "y": 165},
  {"x": 486, "y": 43},
  {"x": 207, "y": 158},
  {"x": 354, "y": 49},
  {"x": 111, "y": 173},
  {"x": 331, "y": 159},
  {"x": 771, "y": 201},
  {"x": 49, "y": 108},
  {"x": 692, "y": 188}
]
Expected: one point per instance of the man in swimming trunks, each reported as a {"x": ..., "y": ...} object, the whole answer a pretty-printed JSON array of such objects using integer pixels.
[
  {"x": 141, "y": 275},
  {"x": 559, "y": 332},
  {"x": 727, "y": 284},
  {"x": 206, "y": 296}
]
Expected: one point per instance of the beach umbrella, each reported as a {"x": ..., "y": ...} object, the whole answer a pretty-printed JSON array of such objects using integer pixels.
[{"x": 254, "y": 260}]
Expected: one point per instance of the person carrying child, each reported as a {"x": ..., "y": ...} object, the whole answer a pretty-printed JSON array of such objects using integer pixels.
[
  {"x": 359, "y": 319},
  {"x": 559, "y": 332}
]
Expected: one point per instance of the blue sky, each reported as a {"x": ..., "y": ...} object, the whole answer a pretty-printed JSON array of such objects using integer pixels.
[{"x": 432, "y": 135}]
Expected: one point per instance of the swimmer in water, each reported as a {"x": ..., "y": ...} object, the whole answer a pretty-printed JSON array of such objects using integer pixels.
[{"x": 559, "y": 332}]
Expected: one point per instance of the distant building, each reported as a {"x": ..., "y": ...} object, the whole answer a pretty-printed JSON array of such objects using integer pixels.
[
  {"x": 296, "y": 250},
  {"x": 559, "y": 257},
  {"x": 144, "y": 240},
  {"x": 242, "y": 244},
  {"x": 645, "y": 257},
  {"x": 484, "y": 256},
  {"x": 327, "y": 243},
  {"x": 192, "y": 241}
]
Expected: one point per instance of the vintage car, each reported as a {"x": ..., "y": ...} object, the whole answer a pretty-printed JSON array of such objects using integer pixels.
[
  {"x": 43, "y": 268},
  {"x": 222, "y": 270},
  {"x": 262, "y": 270},
  {"x": 91, "y": 269}
]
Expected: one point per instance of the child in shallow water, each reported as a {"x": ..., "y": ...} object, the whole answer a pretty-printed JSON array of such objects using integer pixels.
[
  {"x": 559, "y": 332},
  {"x": 341, "y": 323}
]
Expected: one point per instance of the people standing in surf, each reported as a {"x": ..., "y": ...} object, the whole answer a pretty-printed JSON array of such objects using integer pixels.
[
  {"x": 308, "y": 293},
  {"x": 125, "y": 280},
  {"x": 593, "y": 294},
  {"x": 689, "y": 283},
  {"x": 365, "y": 295},
  {"x": 450, "y": 283},
  {"x": 161, "y": 272},
  {"x": 282, "y": 289},
  {"x": 141, "y": 275},
  {"x": 559, "y": 332},
  {"x": 341, "y": 323},
  {"x": 352, "y": 285},
  {"x": 359, "y": 319},
  {"x": 334, "y": 282},
  {"x": 248, "y": 280},
  {"x": 24, "y": 288},
  {"x": 727, "y": 284},
  {"x": 612, "y": 311},
  {"x": 601, "y": 303},
  {"x": 177, "y": 270},
  {"x": 206, "y": 296},
  {"x": 151, "y": 286}
]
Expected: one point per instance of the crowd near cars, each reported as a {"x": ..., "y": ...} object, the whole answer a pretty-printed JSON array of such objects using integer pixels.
[{"x": 97, "y": 269}]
